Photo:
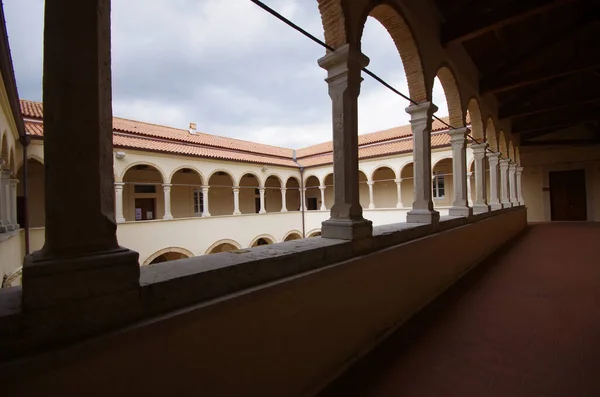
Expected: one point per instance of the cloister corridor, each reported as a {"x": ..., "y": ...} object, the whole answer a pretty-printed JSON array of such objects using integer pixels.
[{"x": 523, "y": 323}]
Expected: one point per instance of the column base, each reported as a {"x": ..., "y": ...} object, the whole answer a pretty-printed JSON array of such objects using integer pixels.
[
  {"x": 481, "y": 209},
  {"x": 237, "y": 213},
  {"x": 205, "y": 215},
  {"x": 346, "y": 229},
  {"x": 262, "y": 212},
  {"x": 121, "y": 220},
  {"x": 495, "y": 206},
  {"x": 399, "y": 205},
  {"x": 52, "y": 281},
  {"x": 3, "y": 229},
  {"x": 506, "y": 204},
  {"x": 423, "y": 216},
  {"x": 460, "y": 211},
  {"x": 167, "y": 217},
  {"x": 282, "y": 210},
  {"x": 10, "y": 228}
]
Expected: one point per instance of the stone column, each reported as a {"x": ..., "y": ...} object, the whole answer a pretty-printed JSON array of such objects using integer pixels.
[
  {"x": 344, "y": 67},
  {"x": 167, "y": 193},
  {"x": 420, "y": 120},
  {"x": 261, "y": 191},
  {"x": 399, "y": 192},
  {"x": 458, "y": 140},
  {"x": 504, "y": 198},
  {"x": 119, "y": 202},
  {"x": 81, "y": 258},
  {"x": 303, "y": 199},
  {"x": 4, "y": 202},
  {"x": 13, "y": 203},
  {"x": 480, "y": 206},
  {"x": 520, "y": 198},
  {"x": 512, "y": 184},
  {"x": 236, "y": 200},
  {"x": 371, "y": 195},
  {"x": 205, "y": 211},
  {"x": 493, "y": 159},
  {"x": 283, "y": 200},
  {"x": 323, "y": 207},
  {"x": 469, "y": 190}
]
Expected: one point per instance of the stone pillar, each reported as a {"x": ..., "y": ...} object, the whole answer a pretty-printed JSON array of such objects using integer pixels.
[
  {"x": 119, "y": 202},
  {"x": 81, "y": 258},
  {"x": 399, "y": 192},
  {"x": 493, "y": 159},
  {"x": 512, "y": 184},
  {"x": 458, "y": 140},
  {"x": 344, "y": 67},
  {"x": 480, "y": 205},
  {"x": 5, "y": 225},
  {"x": 520, "y": 198},
  {"x": 420, "y": 120},
  {"x": 504, "y": 198},
  {"x": 167, "y": 193},
  {"x": 205, "y": 211},
  {"x": 261, "y": 191},
  {"x": 283, "y": 200},
  {"x": 469, "y": 189},
  {"x": 371, "y": 195},
  {"x": 236, "y": 200},
  {"x": 13, "y": 203},
  {"x": 303, "y": 199},
  {"x": 323, "y": 207}
]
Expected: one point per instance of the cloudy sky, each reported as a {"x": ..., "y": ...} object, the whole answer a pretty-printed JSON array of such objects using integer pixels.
[{"x": 225, "y": 64}]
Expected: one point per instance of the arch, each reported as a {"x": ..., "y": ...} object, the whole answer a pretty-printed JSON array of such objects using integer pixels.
[
  {"x": 328, "y": 183},
  {"x": 334, "y": 22},
  {"x": 273, "y": 175},
  {"x": 511, "y": 150},
  {"x": 438, "y": 161},
  {"x": 225, "y": 241},
  {"x": 254, "y": 174},
  {"x": 266, "y": 237},
  {"x": 147, "y": 163},
  {"x": 309, "y": 176},
  {"x": 189, "y": 167},
  {"x": 273, "y": 197},
  {"x": 36, "y": 190},
  {"x": 292, "y": 235},
  {"x": 379, "y": 167},
  {"x": 36, "y": 158},
  {"x": 292, "y": 196},
  {"x": 187, "y": 198},
  {"x": 474, "y": 118},
  {"x": 11, "y": 162},
  {"x": 4, "y": 153},
  {"x": 502, "y": 144},
  {"x": 177, "y": 250},
  {"x": 312, "y": 193},
  {"x": 385, "y": 192},
  {"x": 401, "y": 34},
  {"x": 220, "y": 170},
  {"x": 517, "y": 155},
  {"x": 452, "y": 93},
  {"x": 363, "y": 189},
  {"x": 491, "y": 135},
  {"x": 314, "y": 233},
  {"x": 405, "y": 168}
]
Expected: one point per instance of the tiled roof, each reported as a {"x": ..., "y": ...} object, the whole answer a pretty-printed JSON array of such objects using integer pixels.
[{"x": 144, "y": 136}]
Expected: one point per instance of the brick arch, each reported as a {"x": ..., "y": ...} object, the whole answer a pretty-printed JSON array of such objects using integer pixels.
[
  {"x": 511, "y": 150},
  {"x": 333, "y": 20},
  {"x": 517, "y": 155},
  {"x": 452, "y": 93},
  {"x": 502, "y": 147},
  {"x": 475, "y": 119},
  {"x": 158, "y": 253},
  {"x": 491, "y": 135},
  {"x": 400, "y": 31}
]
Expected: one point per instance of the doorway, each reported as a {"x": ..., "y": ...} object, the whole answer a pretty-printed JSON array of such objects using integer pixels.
[
  {"x": 145, "y": 209},
  {"x": 568, "y": 195}
]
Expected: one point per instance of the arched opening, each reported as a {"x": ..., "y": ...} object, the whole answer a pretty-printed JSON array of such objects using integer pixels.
[
  {"x": 220, "y": 193},
  {"x": 502, "y": 147},
  {"x": 475, "y": 120},
  {"x": 385, "y": 191},
  {"x": 491, "y": 136},
  {"x": 407, "y": 185},
  {"x": 186, "y": 194},
  {"x": 292, "y": 236},
  {"x": 363, "y": 190},
  {"x": 36, "y": 194},
  {"x": 249, "y": 194},
  {"x": 166, "y": 257},
  {"x": 442, "y": 183},
  {"x": 263, "y": 240},
  {"x": 450, "y": 97},
  {"x": 517, "y": 155},
  {"x": 143, "y": 196},
  {"x": 273, "y": 194},
  {"x": 329, "y": 199},
  {"x": 316, "y": 233},
  {"x": 313, "y": 193},
  {"x": 511, "y": 150},
  {"x": 292, "y": 195},
  {"x": 224, "y": 246},
  {"x": 168, "y": 254}
]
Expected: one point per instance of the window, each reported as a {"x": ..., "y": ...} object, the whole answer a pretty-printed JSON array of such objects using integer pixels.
[
  {"x": 438, "y": 184},
  {"x": 198, "y": 201},
  {"x": 144, "y": 189}
]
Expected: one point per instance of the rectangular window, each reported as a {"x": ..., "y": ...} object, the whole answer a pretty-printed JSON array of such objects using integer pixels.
[
  {"x": 144, "y": 188},
  {"x": 198, "y": 201},
  {"x": 438, "y": 185}
]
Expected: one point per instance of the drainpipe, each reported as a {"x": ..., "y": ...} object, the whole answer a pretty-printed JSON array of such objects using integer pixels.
[
  {"x": 301, "y": 196},
  {"x": 24, "y": 139}
]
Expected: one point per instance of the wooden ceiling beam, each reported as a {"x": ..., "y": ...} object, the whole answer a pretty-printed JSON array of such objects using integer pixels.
[
  {"x": 468, "y": 26},
  {"x": 562, "y": 142},
  {"x": 500, "y": 83},
  {"x": 529, "y": 108}
]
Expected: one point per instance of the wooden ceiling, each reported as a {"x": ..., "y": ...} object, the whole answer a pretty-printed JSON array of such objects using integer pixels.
[{"x": 541, "y": 60}]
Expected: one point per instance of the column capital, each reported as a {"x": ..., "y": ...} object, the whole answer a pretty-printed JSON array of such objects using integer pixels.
[
  {"x": 119, "y": 185},
  {"x": 322, "y": 187},
  {"x": 504, "y": 163},
  {"x": 458, "y": 134},
  {"x": 519, "y": 170},
  {"x": 479, "y": 148},
  {"x": 13, "y": 182},
  {"x": 204, "y": 189},
  {"x": 166, "y": 185},
  {"x": 283, "y": 189},
  {"x": 370, "y": 183},
  {"x": 512, "y": 166},
  {"x": 337, "y": 62},
  {"x": 262, "y": 188},
  {"x": 421, "y": 111},
  {"x": 494, "y": 156},
  {"x": 398, "y": 180}
]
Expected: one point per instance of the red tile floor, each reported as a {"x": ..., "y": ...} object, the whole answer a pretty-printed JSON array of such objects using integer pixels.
[{"x": 526, "y": 322}]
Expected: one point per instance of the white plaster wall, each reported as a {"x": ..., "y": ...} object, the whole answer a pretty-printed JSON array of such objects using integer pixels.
[{"x": 12, "y": 251}]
